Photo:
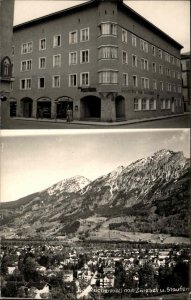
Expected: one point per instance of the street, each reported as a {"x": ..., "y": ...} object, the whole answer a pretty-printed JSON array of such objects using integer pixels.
[{"x": 176, "y": 122}]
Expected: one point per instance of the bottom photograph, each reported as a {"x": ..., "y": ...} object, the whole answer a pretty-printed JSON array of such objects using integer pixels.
[{"x": 95, "y": 214}]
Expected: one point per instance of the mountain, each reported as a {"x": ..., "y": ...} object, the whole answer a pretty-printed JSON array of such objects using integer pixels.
[{"x": 149, "y": 197}]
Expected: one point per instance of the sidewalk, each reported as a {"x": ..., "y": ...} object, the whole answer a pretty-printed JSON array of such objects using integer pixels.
[{"x": 103, "y": 123}]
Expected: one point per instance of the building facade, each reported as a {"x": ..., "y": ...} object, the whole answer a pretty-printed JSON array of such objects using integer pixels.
[
  {"x": 101, "y": 59},
  {"x": 186, "y": 80},
  {"x": 6, "y": 34}
]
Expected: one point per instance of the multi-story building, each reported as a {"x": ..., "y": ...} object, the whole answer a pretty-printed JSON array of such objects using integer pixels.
[
  {"x": 100, "y": 58},
  {"x": 6, "y": 34},
  {"x": 186, "y": 80}
]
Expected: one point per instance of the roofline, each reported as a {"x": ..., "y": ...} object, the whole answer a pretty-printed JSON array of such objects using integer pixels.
[
  {"x": 52, "y": 15},
  {"x": 95, "y": 2},
  {"x": 152, "y": 26}
]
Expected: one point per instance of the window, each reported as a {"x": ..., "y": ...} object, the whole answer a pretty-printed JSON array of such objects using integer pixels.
[
  {"x": 173, "y": 74},
  {"x": 42, "y": 44},
  {"x": 135, "y": 83},
  {"x": 178, "y": 75},
  {"x": 108, "y": 29},
  {"x": 153, "y": 51},
  {"x": 25, "y": 84},
  {"x": 160, "y": 69},
  {"x": 41, "y": 83},
  {"x": 137, "y": 104},
  {"x": 84, "y": 34},
  {"x": 163, "y": 104},
  {"x": 73, "y": 80},
  {"x": 6, "y": 68},
  {"x": 178, "y": 62},
  {"x": 134, "y": 60},
  {"x": 154, "y": 67},
  {"x": 168, "y": 87},
  {"x": 27, "y": 48},
  {"x": 57, "y": 60},
  {"x": 184, "y": 79},
  {"x": 161, "y": 85},
  {"x": 56, "y": 81},
  {"x": 144, "y": 46},
  {"x": 144, "y": 104},
  {"x": 13, "y": 50},
  {"x": 107, "y": 52},
  {"x": 73, "y": 37},
  {"x": 167, "y": 57},
  {"x": 84, "y": 56},
  {"x": 73, "y": 58},
  {"x": 26, "y": 65},
  {"x": 154, "y": 84},
  {"x": 144, "y": 64},
  {"x": 42, "y": 62},
  {"x": 124, "y": 57},
  {"x": 144, "y": 83},
  {"x": 160, "y": 53},
  {"x": 57, "y": 41},
  {"x": 168, "y": 72},
  {"x": 168, "y": 102},
  {"x": 108, "y": 77},
  {"x": 84, "y": 79},
  {"x": 124, "y": 36},
  {"x": 184, "y": 65},
  {"x": 125, "y": 79},
  {"x": 152, "y": 104},
  {"x": 172, "y": 59},
  {"x": 179, "y": 89},
  {"x": 174, "y": 88},
  {"x": 134, "y": 40}
]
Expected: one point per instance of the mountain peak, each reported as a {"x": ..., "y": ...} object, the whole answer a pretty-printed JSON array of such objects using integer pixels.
[{"x": 73, "y": 184}]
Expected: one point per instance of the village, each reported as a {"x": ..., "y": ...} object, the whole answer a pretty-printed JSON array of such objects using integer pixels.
[{"x": 92, "y": 272}]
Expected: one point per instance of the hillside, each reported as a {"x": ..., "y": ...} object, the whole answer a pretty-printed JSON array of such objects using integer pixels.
[{"x": 149, "y": 196}]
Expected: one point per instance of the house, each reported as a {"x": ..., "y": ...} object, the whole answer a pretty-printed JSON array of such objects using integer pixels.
[
  {"x": 39, "y": 290},
  {"x": 68, "y": 276}
]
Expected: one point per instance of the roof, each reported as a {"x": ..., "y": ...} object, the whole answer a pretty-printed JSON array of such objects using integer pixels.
[
  {"x": 185, "y": 55},
  {"x": 57, "y": 14},
  {"x": 93, "y": 3},
  {"x": 149, "y": 25},
  {"x": 37, "y": 285}
]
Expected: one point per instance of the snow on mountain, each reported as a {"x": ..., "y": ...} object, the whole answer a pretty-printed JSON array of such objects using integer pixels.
[{"x": 71, "y": 185}]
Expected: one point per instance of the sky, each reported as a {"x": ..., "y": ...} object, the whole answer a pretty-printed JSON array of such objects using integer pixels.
[
  {"x": 173, "y": 17},
  {"x": 33, "y": 160}
]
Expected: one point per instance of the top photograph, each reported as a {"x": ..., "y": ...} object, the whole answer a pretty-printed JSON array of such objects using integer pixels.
[{"x": 94, "y": 64}]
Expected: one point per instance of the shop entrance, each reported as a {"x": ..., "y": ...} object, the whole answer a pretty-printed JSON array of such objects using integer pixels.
[
  {"x": 61, "y": 108},
  {"x": 27, "y": 107},
  {"x": 13, "y": 109},
  {"x": 90, "y": 107},
  {"x": 120, "y": 107},
  {"x": 44, "y": 109}
]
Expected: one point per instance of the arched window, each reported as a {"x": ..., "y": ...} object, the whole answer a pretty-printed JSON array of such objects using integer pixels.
[{"x": 6, "y": 68}]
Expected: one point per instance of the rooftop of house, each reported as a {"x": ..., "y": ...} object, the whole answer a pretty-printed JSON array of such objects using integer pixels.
[
  {"x": 185, "y": 55},
  {"x": 37, "y": 285},
  {"x": 94, "y": 3}
]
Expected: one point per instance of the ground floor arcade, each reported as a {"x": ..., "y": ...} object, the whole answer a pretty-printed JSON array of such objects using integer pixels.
[{"x": 105, "y": 107}]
